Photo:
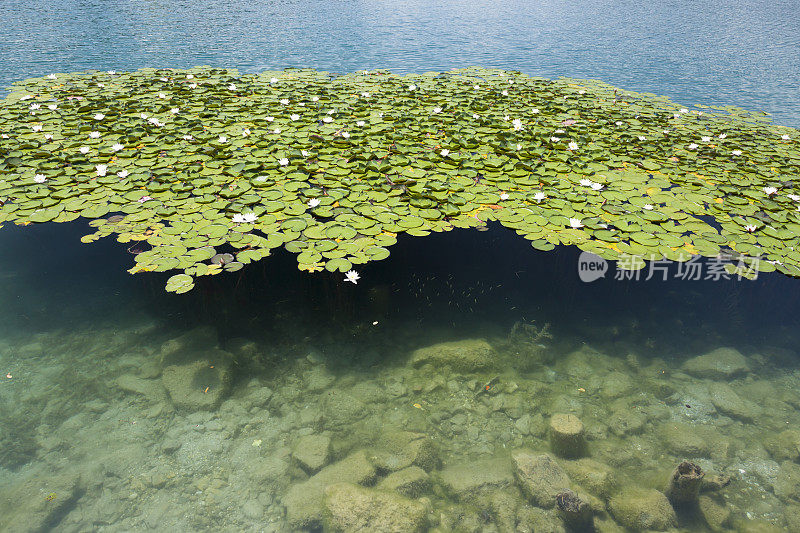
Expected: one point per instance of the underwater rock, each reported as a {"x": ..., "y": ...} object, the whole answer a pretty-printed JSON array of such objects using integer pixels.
[
  {"x": 411, "y": 482},
  {"x": 784, "y": 445},
  {"x": 787, "y": 484},
  {"x": 567, "y": 436},
  {"x": 722, "y": 363},
  {"x": 397, "y": 450},
  {"x": 340, "y": 409},
  {"x": 152, "y": 390},
  {"x": 304, "y": 501},
  {"x": 576, "y": 513},
  {"x": 39, "y": 502},
  {"x": 201, "y": 384},
  {"x": 348, "y": 507},
  {"x": 684, "y": 484},
  {"x": 468, "y": 480},
  {"x": 714, "y": 511},
  {"x": 311, "y": 452},
  {"x": 595, "y": 477},
  {"x": 686, "y": 440},
  {"x": 615, "y": 385},
  {"x": 729, "y": 403},
  {"x": 317, "y": 379},
  {"x": 540, "y": 477},
  {"x": 627, "y": 422},
  {"x": 504, "y": 505},
  {"x": 640, "y": 509},
  {"x": 715, "y": 482},
  {"x": 466, "y": 355},
  {"x": 187, "y": 347},
  {"x": 536, "y": 520}
]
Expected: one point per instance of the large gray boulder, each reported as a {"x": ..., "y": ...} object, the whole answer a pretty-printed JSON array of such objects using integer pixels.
[
  {"x": 722, "y": 363},
  {"x": 642, "y": 509},
  {"x": 466, "y": 355},
  {"x": 348, "y": 507},
  {"x": 540, "y": 477}
]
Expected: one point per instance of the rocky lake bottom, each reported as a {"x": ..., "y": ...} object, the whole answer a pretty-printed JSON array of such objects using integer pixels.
[{"x": 139, "y": 427}]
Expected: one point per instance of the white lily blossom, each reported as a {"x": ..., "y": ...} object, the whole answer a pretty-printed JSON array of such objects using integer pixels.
[
  {"x": 273, "y": 80},
  {"x": 770, "y": 190},
  {"x": 575, "y": 223},
  {"x": 51, "y": 76},
  {"x": 360, "y": 123},
  {"x": 314, "y": 202},
  {"x": 750, "y": 228},
  {"x": 445, "y": 152},
  {"x": 517, "y": 123},
  {"x": 123, "y": 173},
  {"x": 250, "y": 217},
  {"x": 187, "y": 137},
  {"x": 284, "y": 101},
  {"x": 793, "y": 197},
  {"x": 586, "y": 182},
  {"x": 581, "y": 92},
  {"x": 162, "y": 96},
  {"x": 193, "y": 86},
  {"x": 99, "y": 116},
  {"x": 327, "y": 119},
  {"x": 705, "y": 139},
  {"x": 365, "y": 95},
  {"x": 283, "y": 161},
  {"x": 519, "y": 147},
  {"x": 573, "y": 146},
  {"x": 245, "y": 132},
  {"x": 692, "y": 146},
  {"x": 352, "y": 276},
  {"x": 437, "y": 109},
  {"x": 596, "y": 186},
  {"x": 345, "y": 135},
  {"x": 175, "y": 110},
  {"x": 101, "y": 169},
  {"x": 238, "y": 218},
  {"x": 269, "y": 119},
  {"x": 504, "y": 196},
  {"x": 295, "y": 117},
  {"x": 117, "y": 147},
  {"x": 723, "y": 135},
  {"x": 619, "y": 123},
  {"x": 94, "y": 134},
  {"x": 34, "y": 107},
  {"x": 736, "y": 152},
  {"x": 36, "y": 127},
  {"x": 52, "y": 107},
  {"x": 232, "y": 87},
  {"x": 684, "y": 110},
  {"x": 642, "y": 138},
  {"x": 143, "y": 116},
  {"x": 47, "y": 136},
  {"x": 786, "y": 137},
  {"x": 647, "y": 206},
  {"x": 476, "y": 116},
  {"x": 155, "y": 122},
  {"x": 504, "y": 93},
  {"x": 554, "y": 139},
  {"x": 412, "y": 87},
  {"x": 535, "y": 111},
  {"x": 223, "y": 139},
  {"x": 84, "y": 149},
  {"x": 189, "y": 76},
  {"x": 276, "y": 131},
  {"x": 539, "y": 196},
  {"x": 314, "y": 98},
  {"x": 476, "y": 87},
  {"x": 39, "y": 178}
]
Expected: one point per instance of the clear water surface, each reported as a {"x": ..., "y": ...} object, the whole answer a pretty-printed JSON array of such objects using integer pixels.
[{"x": 111, "y": 418}]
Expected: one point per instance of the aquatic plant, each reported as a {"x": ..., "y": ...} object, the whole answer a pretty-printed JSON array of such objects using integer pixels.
[{"x": 206, "y": 161}]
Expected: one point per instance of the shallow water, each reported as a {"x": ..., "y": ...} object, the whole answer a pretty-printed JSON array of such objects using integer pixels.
[{"x": 113, "y": 419}]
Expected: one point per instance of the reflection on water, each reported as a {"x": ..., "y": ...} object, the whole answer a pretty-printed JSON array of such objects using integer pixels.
[{"x": 434, "y": 393}]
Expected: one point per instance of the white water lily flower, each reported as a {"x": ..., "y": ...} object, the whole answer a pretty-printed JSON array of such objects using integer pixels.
[
  {"x": 586, "y": 182},
  {"x": 39, "y": 178},
  {"x": 559, "y": 131},
  {"x": 26, "y": 97},
  {"x": 101, "y": 84},
  {"x": 175, "y": 110},
  {"x": 554, "y": 139},
  {"x": 736, "y": 152},
  {"x": 301, "y": 104},
  {"x": 793, "y": 197},
  {"x": 52, "y": 107},
  {"x": 117, "y": 147},
  {"x": 596, "y": 186},
  {"x": 47, "y": 136},
  {"x": 539, "y": 196},
  {"x": 506, "y": 117},
  {"x": 327, "y": 119},
  {"x": 504, "y": 93},
  {"x": 519, "y": 147},
  {"x": 437, "y": 109},
  {"x": 476, "y": 116},
  {"x": 276, "y": 131},
  {"x": 575, "y": 223},
  {"x": 223, "y": 139},
  {"x": 36, "y": 127},
  {"x": 273, "y": 80},
  {"x": 647, "y": 206},
  {"x": 412, "y": 87},
  {"x": 786, "y": 137},
  {"x": 330, "y": 111},
  {"x": 445, "y": 152},
  {"x": 750, "y": 228},
  {"x": 187, "y": 137},
  {"x": 155, "y": 122},
  {"x": 193, "y": 86},
  {"x": 517, "y": 123},
  {"x": 283, "y": 161},
  {"x": 705, "y": 139},
  {"x": 162, "y": 95},
  {"x": 232, "y": 87},
  {"x": 189, "y": 76},
  {"x": 573, "y": 146},
  {"x": 581, "y": 92},
  {"x": 504, "y": 196},
  {"x": 619, "y": 123},
  {"x": 535, "y": 111},
  {"x": 123, "y": 173},
  {"x": 770, "y": 190},
  {"x": 295, "y": 117},
  {"x": 723, "y": 135},
  {"x": 114, "y": 72},
  {"x": 352, "y": 276},
  {"x": 245, "y": 132},
  {"x": 304, "y": 153},
  {"x": 642, "y": 138},
  {"x": 365, "y": 95},
  {"x": 143, "y": 116},
  {"x": 51, "y": 76},
  {"x": 476, "y": 86},
  {"x": 250, "y": 217},
  {"x": 360, "y": 123},
  {"x": 94, "y": 134},
  {"x": 34, "y": 107},
  {"x": 684, "y": 110},
  {"x": 99, "y": 116},
  {"x": 692, "y": 146},
  {"x": 269, "y": 119},
  {"x": 84, "y": 149},
  {"x": 284, "y": 101},
  {"x": 101, "y": 169},
  {"x": 345, "y": 135},
  {"x": 314, "y": 202},
  {"x": 238, "y": 218},
  {"x": 159, "y": 79},
  {"x": 314, "y": 98},
  {"x": 4, "y": 136}
]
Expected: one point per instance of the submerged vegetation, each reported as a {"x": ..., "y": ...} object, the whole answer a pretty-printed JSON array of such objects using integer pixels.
[{"x": 203, "y": 162}]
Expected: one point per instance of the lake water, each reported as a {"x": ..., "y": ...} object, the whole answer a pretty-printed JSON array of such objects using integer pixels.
[{"x": 317, "y": 381}]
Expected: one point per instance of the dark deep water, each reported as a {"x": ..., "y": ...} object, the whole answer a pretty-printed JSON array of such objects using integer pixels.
[{"x": 93, "y": 437}]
